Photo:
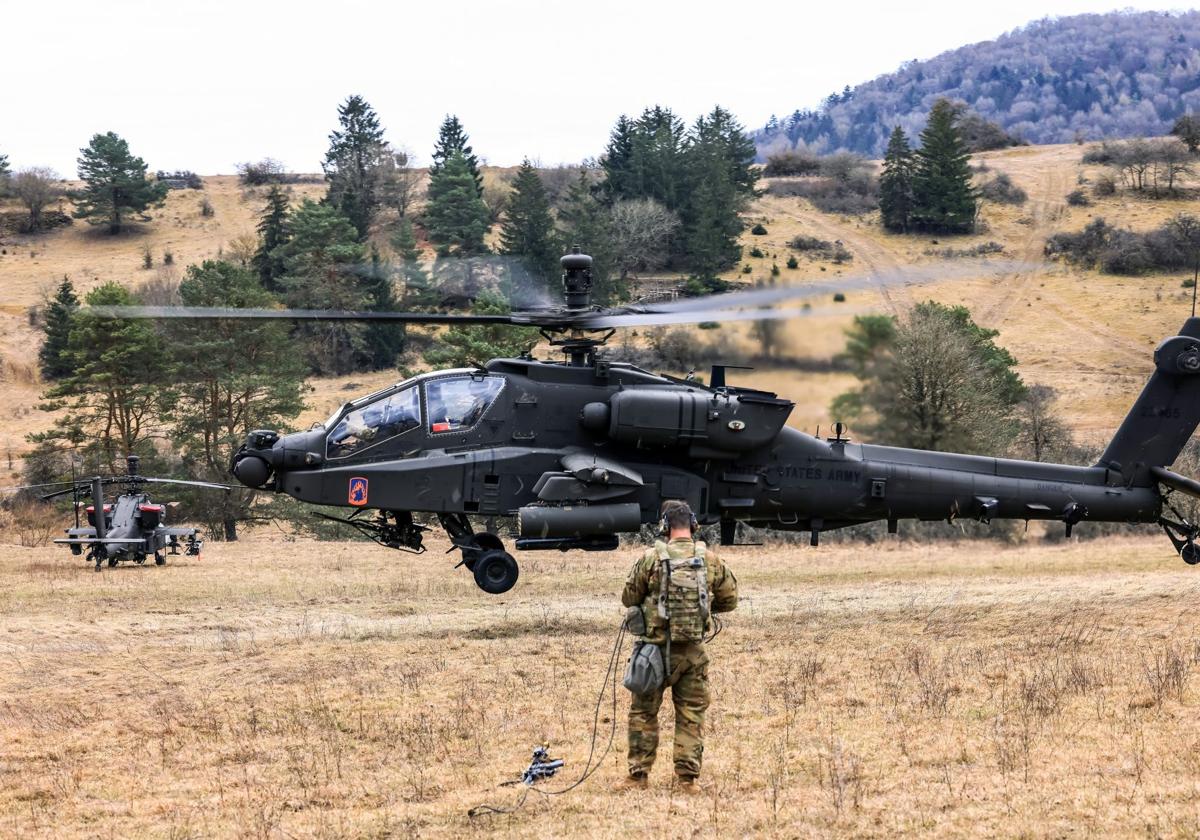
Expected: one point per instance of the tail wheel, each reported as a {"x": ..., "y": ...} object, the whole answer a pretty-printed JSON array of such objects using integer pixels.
[
  {"x": 159, "y": 560},
  {"x": 495, "y": 571}
]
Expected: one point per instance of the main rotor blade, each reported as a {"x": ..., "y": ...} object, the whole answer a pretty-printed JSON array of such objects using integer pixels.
[
  {"x": 912, "y": 275},
  {"x": 35, "y": 486},
  {"x": 210, "y": 312},
  {"x": 650, "y": 319},
  {"x": 207, "y": 484}
]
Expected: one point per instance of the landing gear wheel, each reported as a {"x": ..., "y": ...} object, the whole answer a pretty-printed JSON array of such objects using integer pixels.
[
  {"x": 139, "y": 559},
  {"x": 159, "y": 560},
  {"x": 495, "y": 571},
  {"x": 1190, "y": 553},
  {"x": 480, "y": 543},
  {"x": 112, "y": 562}
]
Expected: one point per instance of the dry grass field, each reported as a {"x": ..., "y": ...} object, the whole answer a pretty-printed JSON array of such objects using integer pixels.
[
  {"x": 279, "y": 688},
  {"x": 300, "y": 690}
]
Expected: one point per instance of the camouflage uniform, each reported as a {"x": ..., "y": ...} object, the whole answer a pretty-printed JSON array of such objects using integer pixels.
[{"x": 687, "y": 672}]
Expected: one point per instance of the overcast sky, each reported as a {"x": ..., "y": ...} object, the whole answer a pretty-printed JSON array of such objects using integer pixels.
[{"x": 204, "y": 84}]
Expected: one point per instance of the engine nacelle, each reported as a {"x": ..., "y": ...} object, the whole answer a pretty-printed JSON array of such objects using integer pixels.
[{"x": 709, "y": 424}]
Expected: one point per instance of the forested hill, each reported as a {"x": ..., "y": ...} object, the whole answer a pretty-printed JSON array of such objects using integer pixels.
[{"x": 1121, "y": 74}]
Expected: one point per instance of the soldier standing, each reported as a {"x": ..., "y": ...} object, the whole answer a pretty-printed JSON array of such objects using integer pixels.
[{"x": 676, "y": 584}]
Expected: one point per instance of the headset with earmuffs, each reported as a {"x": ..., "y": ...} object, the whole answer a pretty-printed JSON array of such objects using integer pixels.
[{"x": 665, "y": 528}]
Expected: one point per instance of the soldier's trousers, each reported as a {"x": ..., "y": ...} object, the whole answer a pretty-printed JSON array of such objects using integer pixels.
[{"x": 688, "y": 680}]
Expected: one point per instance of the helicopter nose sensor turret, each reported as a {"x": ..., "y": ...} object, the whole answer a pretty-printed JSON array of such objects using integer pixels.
[{"x": 253, "y": 462}]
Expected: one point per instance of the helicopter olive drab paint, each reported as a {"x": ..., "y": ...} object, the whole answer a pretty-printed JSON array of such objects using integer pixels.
[{"x": 583, "y": 449}]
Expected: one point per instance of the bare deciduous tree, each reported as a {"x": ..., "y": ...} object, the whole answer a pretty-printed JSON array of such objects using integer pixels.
[
  {"x": 1042, "y": 431},
  {"x": 641, "y": 232},
  {"x": 35, "y": 188},
  {"x": 401, "y": 182}
]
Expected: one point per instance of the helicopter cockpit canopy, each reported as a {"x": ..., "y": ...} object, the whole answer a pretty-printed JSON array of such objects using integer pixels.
[
  {"x": 375, "y": 422},
  {"x": 456, "y": 403}
]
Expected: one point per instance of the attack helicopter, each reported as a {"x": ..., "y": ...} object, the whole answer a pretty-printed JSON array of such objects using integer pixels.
[
  {"x": 132, "y": 527},
  {"x": 583, "y": 449}
]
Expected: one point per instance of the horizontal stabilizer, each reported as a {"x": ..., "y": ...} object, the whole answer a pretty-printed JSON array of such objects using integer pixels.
[{"x": 1176, "y": 481}]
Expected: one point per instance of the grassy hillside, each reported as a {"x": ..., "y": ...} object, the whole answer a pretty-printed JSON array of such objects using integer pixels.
[{"x": 1087, "y": 334}]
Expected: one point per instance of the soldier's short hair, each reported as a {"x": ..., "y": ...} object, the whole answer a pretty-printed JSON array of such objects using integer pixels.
[{"x": 676, "y": 513}]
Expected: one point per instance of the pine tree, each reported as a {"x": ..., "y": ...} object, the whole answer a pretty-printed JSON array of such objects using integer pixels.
[
  {"x": 111, "y": 401},
  {"x": 114, "y": 183},
  {"x": 418, "y": 291},
  {"x": 473, "y": 345},
  {"x": 617, "y": 162},
  {"x": 943, "y": 198},
  {"x": 896, "y": 183},
  {"x": 385, "y": 341},
  {"x": 720, "y": 182},
  {"x": 229, "y": 376},
  {"x": 53, "y": 358},
  {"x": 657, "y": 165},
  {"x": 273, "y": 232},
  {"x": 323, "y": 264},
  {"x": 585, "y": 222},
  {"x": 357, "y": 160},
  {"x": 455, "y": 216},
  {"x": 453, "y": 139},
  {"x": 528, "y": 229}
]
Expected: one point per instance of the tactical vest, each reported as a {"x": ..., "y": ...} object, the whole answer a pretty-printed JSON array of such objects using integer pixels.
[{"x": 681, "y": 599}]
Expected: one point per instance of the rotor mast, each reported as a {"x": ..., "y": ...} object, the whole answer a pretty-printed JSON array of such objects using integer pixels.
[{"x": 577, "y": 293}]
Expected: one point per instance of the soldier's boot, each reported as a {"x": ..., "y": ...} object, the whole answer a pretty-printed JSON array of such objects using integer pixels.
[
  {"x": 687, "y": 785},
  {"x": 639, "y": 782}
]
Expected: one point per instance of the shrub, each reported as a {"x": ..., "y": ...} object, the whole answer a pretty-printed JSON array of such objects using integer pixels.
[
  {"x": 756, "y": 252},
  {"x": 840, "y": 254},
  {"x": 147, "y": 258},
  {"x": 168, "y": 258},
  {"x": 1122, "y": 251},
  {"x": 839, "y": 297},
  {"x": 792, "y": 262},
  {"x": 774, "y": 270},
  {"x": 1078, "y": 198},
  {"x": 795, "y": 162},
  {"x": 1001, "y": 190},
  {"x": 265, "y": 171},
  {"x": 980, "y": 250},
  {"x": 206, "y": 208},
  {"x": 759, "y": 230},
  {"x": 1105, "y": 185},
  {"x": 746, "y": 269},
  {"x": 809, "y": 243}
]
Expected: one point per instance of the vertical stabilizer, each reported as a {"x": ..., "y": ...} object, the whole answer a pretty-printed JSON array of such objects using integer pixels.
[{"x": 1165, "y": 414}]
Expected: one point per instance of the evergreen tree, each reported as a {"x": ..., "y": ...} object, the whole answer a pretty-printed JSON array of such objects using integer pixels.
[
  {"x": 585, "y": 222},
  {"x": 896, "y": 183},
  {"x": 455, "y": 216},
  {"x": 528, "y": 229},
  {"x": 114, "y": 183},
  {"x": 385, "y": 341},
  {"x": 53, "y": 358},
  {"x": 617, "y": 162},
  {"x": 721, "y": 181},
  {"x": 453, "y": 139},
  {"x": 230, "y": 376},
  {"x": 356, "y": 163},
  {"x": 418, "y": 291},
  {"x": 272, "y": 234},
  {"x": 111, "y": 400},
  {"x": 657, "y": 165},
  {"x": 5, "y": 175},
  {"x": 943, "y": 198},
  {"x": 473, "y": 345},
  {"x": 936, "y": 381},
  {"x": 323, "y": 265}
]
